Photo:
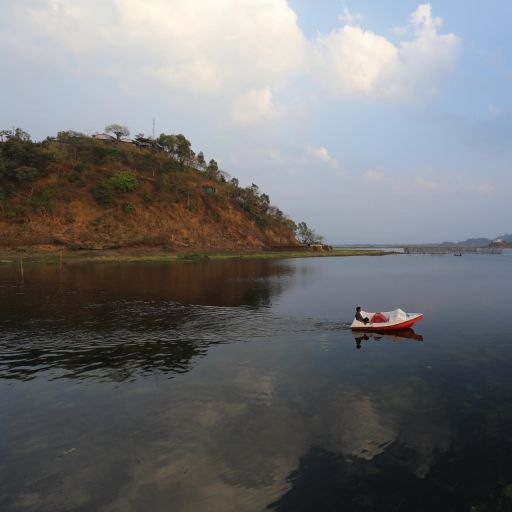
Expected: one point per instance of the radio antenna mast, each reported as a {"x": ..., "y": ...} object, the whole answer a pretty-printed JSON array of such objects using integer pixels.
[{"x": 153, "y": 127}]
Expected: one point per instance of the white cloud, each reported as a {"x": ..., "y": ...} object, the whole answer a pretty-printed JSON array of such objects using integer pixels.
[
  {"x": 224, "y": 48},
  {"x": 422, "y": 21},
  {"x": 254, "y": 107},
  {"x": 205, "y": 46},
  {"x": 323, "y": 155},
  {"x": 352, "y": 60},
  {"x": 349, "y": 18},
  {"x": 428, "y": 55},
  {"x": 257, "y": 44},
  {"x": 355, "y": 60}
]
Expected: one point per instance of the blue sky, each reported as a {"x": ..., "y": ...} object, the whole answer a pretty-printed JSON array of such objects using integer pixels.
[{"x": 372, "y": 121}]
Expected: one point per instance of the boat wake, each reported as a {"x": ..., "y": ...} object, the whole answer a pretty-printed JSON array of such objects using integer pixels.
[{"x": 166, "y": 336}]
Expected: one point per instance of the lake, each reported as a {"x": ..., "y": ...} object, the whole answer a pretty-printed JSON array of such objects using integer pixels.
[{"x": 238, "y": 386}]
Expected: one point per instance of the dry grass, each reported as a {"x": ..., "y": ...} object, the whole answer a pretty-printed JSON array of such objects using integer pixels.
[{"x": 126, "y": 256}]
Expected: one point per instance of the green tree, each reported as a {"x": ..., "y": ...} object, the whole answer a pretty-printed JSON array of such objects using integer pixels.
[
  {"x": 169, "y": 142},
  {"x": 25, "y": 173},
  {"x": 4, "y": 134},
  {"x": 277, "y": 214},
  {"x": 118, "y": 130},
  {"x": 21, "y": 135},
  {"x": 23, "y": 160},
  {"x": 307, "y": 235},
  {"x": 183, "y": 148},
  {"x": 212, "y": 170},
  {"x": 103, "y": 192},
  {"x": 69, "y": 134},
  {"x": 124, "y": 181},
  {"x": 264, "y": 201},
  {"x": 200, "y": 160},
  {"x": 15, "y": 133},
  {"x": 120, "y": 183},
  {"x": 191, "y": 159}
]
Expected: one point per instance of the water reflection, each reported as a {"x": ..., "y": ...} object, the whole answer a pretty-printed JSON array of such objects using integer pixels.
[
  {"x": 330, "y": 481},
  {"x": 163, "y": 337},
  {"x": 115, "y": 322},
  {"x": 395, "y": 336},
  {"x": 75, "y": 294},
  {"x": 269, "y": 406}
]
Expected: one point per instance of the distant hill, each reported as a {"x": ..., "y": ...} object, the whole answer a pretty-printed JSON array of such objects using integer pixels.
[
  {"x": 78, "y": 192},
  {"x": 471, "y": 242},
  {"x": 479, "y": 242}
]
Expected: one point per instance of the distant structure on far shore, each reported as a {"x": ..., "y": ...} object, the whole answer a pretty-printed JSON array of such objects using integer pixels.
[{"x": 499, "y": 242}]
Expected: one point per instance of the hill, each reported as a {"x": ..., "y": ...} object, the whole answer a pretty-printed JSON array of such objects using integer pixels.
[
  {"x": 480, "y": 242},
  {"x": 471, "y": 242},
  {"x": 77, "y": 192}
]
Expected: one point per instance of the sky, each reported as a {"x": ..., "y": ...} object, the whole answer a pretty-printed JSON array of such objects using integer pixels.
[{"x": 372, "y": 121}]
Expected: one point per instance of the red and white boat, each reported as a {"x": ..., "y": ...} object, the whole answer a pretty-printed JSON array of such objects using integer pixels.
[{"x": 386, "y": 321}]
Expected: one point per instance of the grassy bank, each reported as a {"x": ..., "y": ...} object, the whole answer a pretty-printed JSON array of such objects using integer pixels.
[{"x": 10, "y": 257}]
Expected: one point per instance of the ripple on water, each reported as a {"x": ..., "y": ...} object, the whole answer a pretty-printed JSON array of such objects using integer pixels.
[{"x": 155, "y": 336}]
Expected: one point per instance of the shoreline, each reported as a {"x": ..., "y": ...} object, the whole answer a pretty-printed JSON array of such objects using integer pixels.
[{"x": 58, "y": 257}]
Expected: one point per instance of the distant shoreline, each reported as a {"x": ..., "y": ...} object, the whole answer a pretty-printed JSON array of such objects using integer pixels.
[{"x": 57, "y": 257}]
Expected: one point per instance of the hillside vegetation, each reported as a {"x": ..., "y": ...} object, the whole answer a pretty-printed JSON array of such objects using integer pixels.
[{"x": 76, "y": 192}]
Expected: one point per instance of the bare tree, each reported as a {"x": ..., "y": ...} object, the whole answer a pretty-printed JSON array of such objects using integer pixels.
[{"x": 118, "y": 130}]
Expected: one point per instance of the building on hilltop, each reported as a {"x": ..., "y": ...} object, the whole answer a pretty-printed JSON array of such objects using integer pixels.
[
  {"x": 103, "y": 136},
  {"x": 145, "y": 142}
]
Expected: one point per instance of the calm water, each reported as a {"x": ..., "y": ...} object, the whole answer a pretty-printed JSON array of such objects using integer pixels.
[{"x": 236, "y": 386}]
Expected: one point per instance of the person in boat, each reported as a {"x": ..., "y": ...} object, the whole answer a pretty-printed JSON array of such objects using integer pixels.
[{"x": 359, "y": 316}]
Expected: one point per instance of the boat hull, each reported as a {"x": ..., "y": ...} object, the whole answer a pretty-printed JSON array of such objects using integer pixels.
[{"x": 388, "y": 326}]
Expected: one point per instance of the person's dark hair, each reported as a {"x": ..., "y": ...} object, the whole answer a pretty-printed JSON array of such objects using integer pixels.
[{"x": 358, "y": 308}]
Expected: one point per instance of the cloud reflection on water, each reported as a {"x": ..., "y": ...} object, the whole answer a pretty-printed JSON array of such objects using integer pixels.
[{"x": 283, "y": 412}]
